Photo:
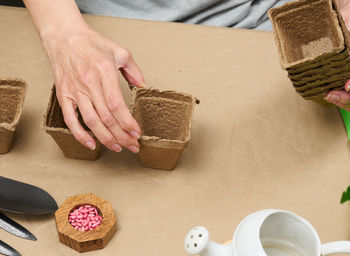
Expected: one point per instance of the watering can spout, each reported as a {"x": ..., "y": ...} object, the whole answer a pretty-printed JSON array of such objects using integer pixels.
[{"x": 197, "y": 242}]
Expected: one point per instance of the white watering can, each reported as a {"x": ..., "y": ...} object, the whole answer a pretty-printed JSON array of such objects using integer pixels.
[{"x": 266, "y": 233}]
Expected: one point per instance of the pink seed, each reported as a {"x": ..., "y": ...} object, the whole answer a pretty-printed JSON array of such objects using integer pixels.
[{"x": 85, "y": 218}]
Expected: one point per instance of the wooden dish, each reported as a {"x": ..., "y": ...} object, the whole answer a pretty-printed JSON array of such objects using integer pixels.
[{"x": 84, "y": 241}]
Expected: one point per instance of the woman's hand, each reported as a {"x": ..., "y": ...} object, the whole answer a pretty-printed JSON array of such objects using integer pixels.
[
  {"x": 341, "y": 98},
  {"x": 85, "y": 66}
]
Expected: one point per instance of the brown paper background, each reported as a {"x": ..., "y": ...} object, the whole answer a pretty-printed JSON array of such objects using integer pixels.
[{"x": 255, "y": 143}]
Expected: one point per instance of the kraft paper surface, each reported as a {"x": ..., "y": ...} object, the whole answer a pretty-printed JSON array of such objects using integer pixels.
[{"x": 255, "y": 143}]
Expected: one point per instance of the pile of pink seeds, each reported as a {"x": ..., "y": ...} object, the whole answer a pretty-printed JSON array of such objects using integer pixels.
[{"x": 85, "y": 218}]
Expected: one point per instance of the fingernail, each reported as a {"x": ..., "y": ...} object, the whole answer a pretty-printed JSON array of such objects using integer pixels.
[
  {"x": 143, "y": 85},
  {"x": 135, "y": 134},
  {"x": 347, "y": 86},
  {"x": 134, "y": 149},
  {"x": 91, "y": 145},
  {"x": 332, "y": 98},
  {"x": 117, "y": 148}
]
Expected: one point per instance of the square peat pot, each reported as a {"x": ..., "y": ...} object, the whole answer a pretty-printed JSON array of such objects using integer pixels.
[
  {"x": 55, "y": 126},
  {"x": 165, "y": 119},
  {"x": 12, "y": 93},
  {"x": 306, "y": 31}
]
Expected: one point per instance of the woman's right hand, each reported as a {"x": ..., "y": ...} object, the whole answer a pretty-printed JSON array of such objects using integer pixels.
[{"x": 85, "y": 66}]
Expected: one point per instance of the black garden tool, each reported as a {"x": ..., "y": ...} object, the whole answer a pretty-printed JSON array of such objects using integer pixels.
[
  {"x": 22, "y": 198},
  {"x": 7, "y": 250}
]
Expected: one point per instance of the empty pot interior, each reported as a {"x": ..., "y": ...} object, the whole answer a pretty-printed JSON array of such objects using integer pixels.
[
  {"x": 55, "y": 116},
  {"x": 308, "y": 31},
  {"x": 165, "y": 115},
  {"x": 283, "y": 233},
  {"x": 10, "y": 102}
]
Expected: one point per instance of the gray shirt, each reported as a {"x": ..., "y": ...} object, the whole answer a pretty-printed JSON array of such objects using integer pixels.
[{"x": 228, "y": 13}]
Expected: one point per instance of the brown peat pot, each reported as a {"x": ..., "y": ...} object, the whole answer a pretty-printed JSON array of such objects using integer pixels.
[
  {"x": 55, "y": 126},
  {"x": 165, "y": 119},
  {"x": 12, "y": 94}
]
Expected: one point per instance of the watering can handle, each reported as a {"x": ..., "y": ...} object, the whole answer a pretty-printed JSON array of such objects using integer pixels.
[{"x": 336, "y": 247}]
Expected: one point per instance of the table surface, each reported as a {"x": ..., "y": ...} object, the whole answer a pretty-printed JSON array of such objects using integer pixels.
[{"x": 255, "y": 143}]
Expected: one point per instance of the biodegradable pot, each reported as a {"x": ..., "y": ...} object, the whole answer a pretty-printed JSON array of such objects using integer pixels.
[
  {"x": 12, "y": 94},
  {"x": 55, "y": 126},
  {"x": 320, "y": 100},
  {"x": 84, "y": 241},
  {"x": 329, "y": 74},
  {"x": 336, "y": 85},
  {"x": 165, "y": 119},
  {"x": 306, "y": 31},
  {"x": 318, "y": 63}
]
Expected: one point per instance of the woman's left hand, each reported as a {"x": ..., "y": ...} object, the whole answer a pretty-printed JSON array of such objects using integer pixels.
[{"x": 341, "y": 98}]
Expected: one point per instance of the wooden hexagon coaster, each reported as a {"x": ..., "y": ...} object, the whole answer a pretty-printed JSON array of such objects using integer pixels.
[{"x": 84, "y": 241}]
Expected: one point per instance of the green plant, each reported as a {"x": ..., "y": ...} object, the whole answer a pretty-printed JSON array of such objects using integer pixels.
[{"x": 345, "y": 196}]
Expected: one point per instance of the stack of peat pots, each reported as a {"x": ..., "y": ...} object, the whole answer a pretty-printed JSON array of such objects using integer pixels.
[{"x": 313, "y": 44}]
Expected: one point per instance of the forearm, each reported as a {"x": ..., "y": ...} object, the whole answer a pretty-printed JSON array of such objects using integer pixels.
[{"x": 52, "y": 17}]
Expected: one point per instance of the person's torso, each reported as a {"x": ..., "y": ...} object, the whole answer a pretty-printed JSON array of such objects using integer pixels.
[{"x": 228, "y": 13}]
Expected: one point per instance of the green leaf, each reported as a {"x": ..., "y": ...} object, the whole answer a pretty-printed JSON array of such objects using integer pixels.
[
  {"x": 345, "y": 196},
  {"x": 346, "y": 118}
]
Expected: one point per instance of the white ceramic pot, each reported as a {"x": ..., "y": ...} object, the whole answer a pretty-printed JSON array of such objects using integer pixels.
[{"x": 266, "y": 233}]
